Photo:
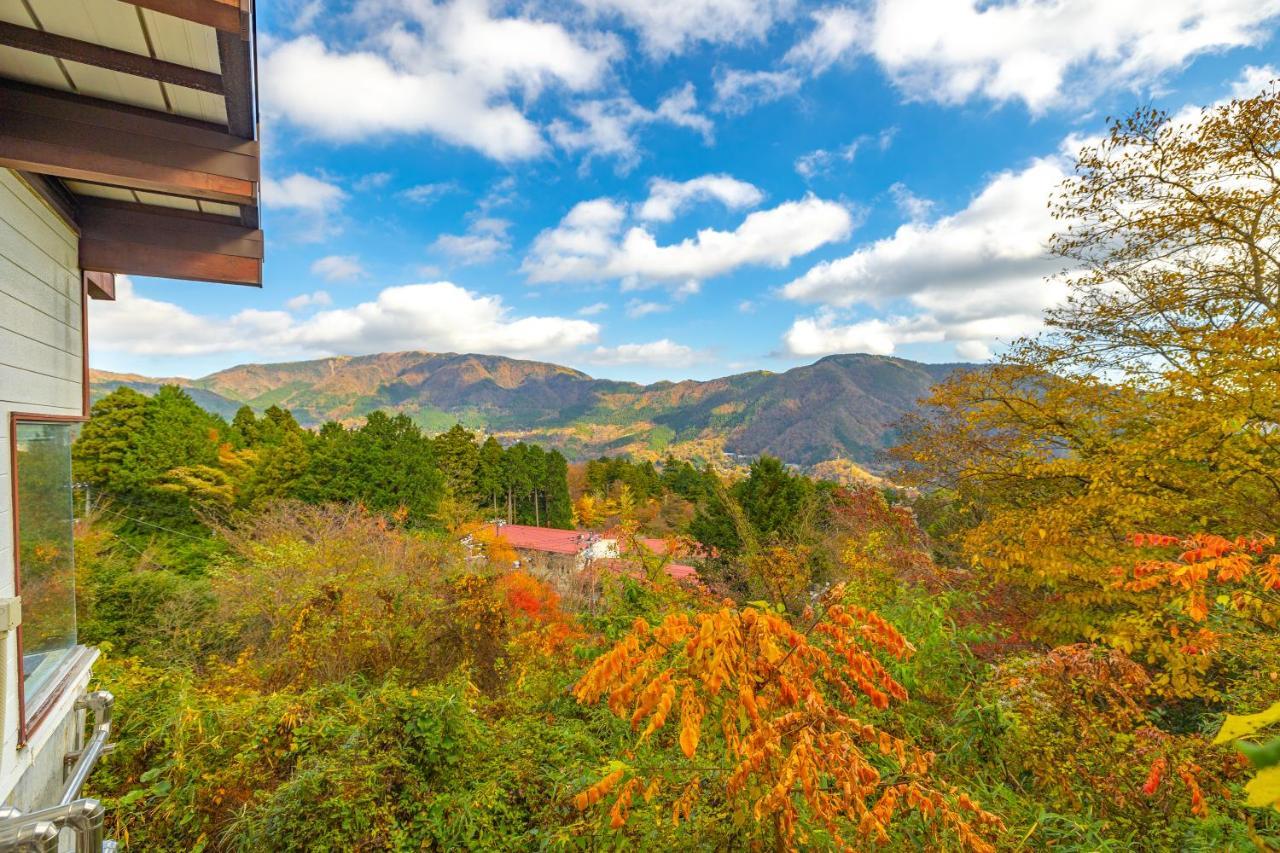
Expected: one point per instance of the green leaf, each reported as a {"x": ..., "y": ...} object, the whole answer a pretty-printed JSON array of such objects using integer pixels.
[
  {"x": 132, "y": 797},
  {"x": 1261, "y": 755},
  {"x": 1235, "y": 726},
  {"x": 1264, "y": 789},
  {"x": 151, "y": 774}
]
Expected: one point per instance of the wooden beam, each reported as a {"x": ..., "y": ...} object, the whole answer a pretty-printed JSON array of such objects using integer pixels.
[
  {"x": 57, "y": 134},
  {"x": 237, "y": 74},
  {"x": 88, "y": 53},
  {"x": 139, "y": 239},
  {"x": 100, "y": 285},
  {"x": 223, "y": 15}
]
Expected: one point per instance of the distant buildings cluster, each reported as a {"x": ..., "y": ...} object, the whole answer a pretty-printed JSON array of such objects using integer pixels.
[{"x": 561, "y": 554}]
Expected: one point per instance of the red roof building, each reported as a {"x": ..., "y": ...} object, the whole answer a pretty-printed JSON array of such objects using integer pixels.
[
  {"x": 602, "y": 549},
  {"x": 547, "y": 539}
]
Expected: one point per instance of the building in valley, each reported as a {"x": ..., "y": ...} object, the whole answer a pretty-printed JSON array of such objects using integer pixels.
[
  {"x": 128, "y": 145},
  {"x": 562, "y": 555}
]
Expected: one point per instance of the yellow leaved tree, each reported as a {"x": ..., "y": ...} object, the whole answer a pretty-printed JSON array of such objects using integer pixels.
[{"x": 1152, "y": 402}]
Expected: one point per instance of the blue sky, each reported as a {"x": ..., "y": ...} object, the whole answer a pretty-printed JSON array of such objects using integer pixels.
[{"x": 667, "y": 189}]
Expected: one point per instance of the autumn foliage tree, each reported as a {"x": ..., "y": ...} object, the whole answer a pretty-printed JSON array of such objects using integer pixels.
[
  {"x": 775, "y": 720},
  {"x": 1153, "y": 400}
]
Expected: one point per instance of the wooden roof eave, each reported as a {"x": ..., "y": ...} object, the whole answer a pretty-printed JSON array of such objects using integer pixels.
[{"x": 101, "y": 144}]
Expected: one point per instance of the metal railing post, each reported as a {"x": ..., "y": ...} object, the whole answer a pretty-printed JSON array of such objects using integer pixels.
[
  {"x": 99, "y": 703},
  {"x": 38, "y": 831}
]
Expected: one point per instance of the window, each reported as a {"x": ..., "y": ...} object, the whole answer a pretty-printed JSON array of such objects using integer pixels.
[{"x": 44, "y": 518}]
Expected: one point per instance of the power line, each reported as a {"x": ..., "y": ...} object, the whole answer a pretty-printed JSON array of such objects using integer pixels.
[{"x": 153, "y": 524}]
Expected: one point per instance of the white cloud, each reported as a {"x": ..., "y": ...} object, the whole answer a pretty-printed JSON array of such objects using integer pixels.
[
  {"x": 1047, "y": 54},
  {"x": 973, "y": 351},
  {"x": 1253, "y": 79},
  {"x": 589, "y": 244},
  {"x": 438, "y": 316},
  {"x": 837, "y": 30},
  {"x": 312, "y": 206},
  {"x": 502, "y": 193},
  {"x": 747, "y": 306},
  {"x": 449, "y": 69},
  {"x": 909, "y": 204},
  {"x": 485, "y": 238},
  {"x": 738, "y": 91},
  {"x": 301, "y": 192},
  {"x": 300, "y": 15},
  {"x": 821, "y": 160},
  {"x": 667, "y": 198},
  {"x": 338, "y": 268},
  {"x": 593, "y": 309},
  {"x": 428, "y": 193},
  {"x": 607, "y": 127},
  {"x": 318, "y": 299},
  {"x": 637, "y": 308},
  {"x": 372, "y": 181},
  {"x": 672, "y": 26},
  {"x": 1043, "y": 54},
  {"x": 825, "y": 333},
  {"x": 975, "y": 275},
  {"x": 972, "y": 278},
  {"x": 661, "y": 353}
]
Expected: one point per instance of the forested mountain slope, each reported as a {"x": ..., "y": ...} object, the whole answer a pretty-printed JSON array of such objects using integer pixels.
[{"x": 843, "y": 406}]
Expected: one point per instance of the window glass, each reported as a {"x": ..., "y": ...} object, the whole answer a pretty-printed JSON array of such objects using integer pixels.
[{"x": 46, "y": 564}]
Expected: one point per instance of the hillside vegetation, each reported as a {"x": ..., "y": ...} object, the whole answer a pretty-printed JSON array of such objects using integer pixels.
[
  {"x": 842, "y": 407},
  {"x": 1066, "y": 636}
]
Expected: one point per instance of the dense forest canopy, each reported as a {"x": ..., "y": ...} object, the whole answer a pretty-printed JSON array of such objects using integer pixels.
[{"x": 1059, "y": 630}]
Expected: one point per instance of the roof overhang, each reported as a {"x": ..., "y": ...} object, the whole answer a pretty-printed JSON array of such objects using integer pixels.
[{"x": 137, "y": 120}]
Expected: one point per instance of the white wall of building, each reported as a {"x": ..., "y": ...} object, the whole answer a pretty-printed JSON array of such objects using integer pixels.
[{"x": 41, "y": 371}]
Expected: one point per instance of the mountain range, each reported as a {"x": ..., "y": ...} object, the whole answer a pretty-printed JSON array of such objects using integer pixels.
[{"x": 842, "y": 407}]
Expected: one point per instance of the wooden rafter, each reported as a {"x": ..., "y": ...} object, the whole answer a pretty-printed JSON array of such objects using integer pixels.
[
  {"x": 228, "y": 16},
  {"x": 88, "y": 53},
  {"x": 53, "y": 133},
  {"x": 100, "y": 285},
  {"x": 139, "y": 239},
  {"x": 234, "y": 58}
]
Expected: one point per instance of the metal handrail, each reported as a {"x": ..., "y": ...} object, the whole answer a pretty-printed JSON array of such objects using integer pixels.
[
  {"x": 38, "y": 837},
  {"x": 38, "y": 831},
  {"x": 83, "y": 817},
  {"x": 99, "y": 703}
]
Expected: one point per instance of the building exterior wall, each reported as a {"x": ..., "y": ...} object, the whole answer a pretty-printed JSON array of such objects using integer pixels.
[
  {"x": 41, "y": 371},
  {"x": 602, "y": 549},
  {"x": 556, "y": 569}
]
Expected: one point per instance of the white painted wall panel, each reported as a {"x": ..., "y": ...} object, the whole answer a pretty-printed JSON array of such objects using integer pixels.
[
  {"x": 24, "y": 289},
  {"x": 41, "y": 365}
]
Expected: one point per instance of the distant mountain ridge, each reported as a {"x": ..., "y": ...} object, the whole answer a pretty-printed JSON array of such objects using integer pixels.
[{"x": 840, "y": 407}]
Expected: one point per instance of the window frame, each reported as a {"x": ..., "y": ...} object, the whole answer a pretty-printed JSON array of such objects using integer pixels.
[
  {"x": 82, "y": 656},
  {"x": 76, "y": 658}
]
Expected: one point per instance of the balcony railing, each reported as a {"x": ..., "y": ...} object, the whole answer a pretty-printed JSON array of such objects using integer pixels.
[{"x": 39, "y": 831}]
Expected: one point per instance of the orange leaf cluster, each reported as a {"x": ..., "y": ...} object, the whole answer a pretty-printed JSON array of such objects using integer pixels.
[
  {"x": 1206, "y": 559},
  {"x": 1187, "y": 773},
  {"x": 778, "y": 702}
]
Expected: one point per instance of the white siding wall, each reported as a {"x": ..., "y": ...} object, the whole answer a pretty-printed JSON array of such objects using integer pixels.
[{"x": 40, "y": 371}]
